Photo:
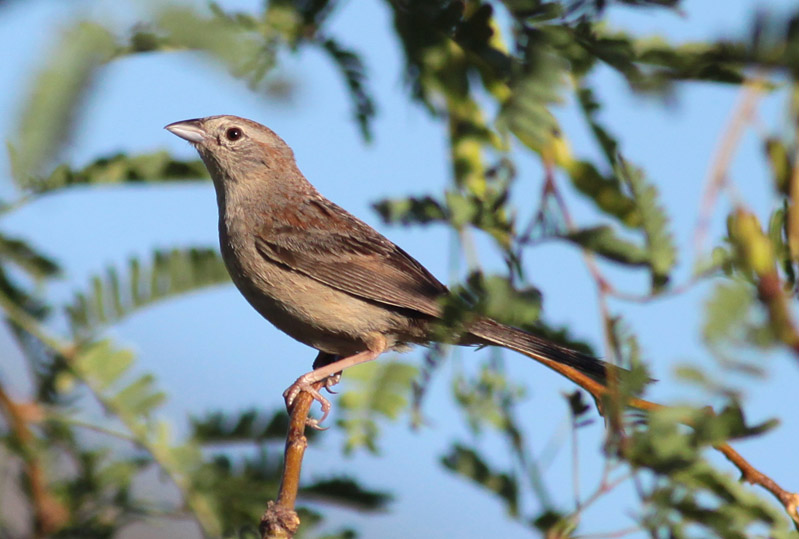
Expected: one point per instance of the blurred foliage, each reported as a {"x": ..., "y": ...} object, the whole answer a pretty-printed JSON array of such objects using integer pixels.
[
  {"x": 493, "y": 74},
  {"x": 121, "y": 168},
  {"x": 381, "y": 391},
  {"x": 113, "y": 296},
  {"x": 467, "y": 462}
]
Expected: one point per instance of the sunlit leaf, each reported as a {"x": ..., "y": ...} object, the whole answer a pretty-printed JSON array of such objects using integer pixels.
[
  {"x": 45, "y": 121},
  {"x": 468, "y": 463},
  {"x": 662, "y": 252},
  {"x": 605, "y": 242},
  {"x": 346, "y": 491},
  {"x": 606, "y": 192},
  {"x": 171, "y": 273},
  {"x": 534, "y": 89},
  {"x": 354, "y": 72},
  {"x": 22, "y": 255},
  {"x": 382, "y": 391},
  {"x": 248, "y": 426},
  {"x": 121, "y": 168}
]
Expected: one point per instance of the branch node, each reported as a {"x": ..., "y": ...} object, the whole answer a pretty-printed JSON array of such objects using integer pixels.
[{"x": 278, "y": 522}]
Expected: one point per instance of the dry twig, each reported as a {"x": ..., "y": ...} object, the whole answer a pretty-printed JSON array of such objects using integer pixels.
[
  {"x": 49, "y": 513},
  {"x": 280, "y": 521},
  {"x": 750, "y": 474},
  {"x": 717, "y": 175},
  {"x": 789, "y": 500}
]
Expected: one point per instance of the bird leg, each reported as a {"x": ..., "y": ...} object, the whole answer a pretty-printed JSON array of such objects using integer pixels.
[
  {"x": 323, "y": 359},
  {"x": 327, "y": 372}
]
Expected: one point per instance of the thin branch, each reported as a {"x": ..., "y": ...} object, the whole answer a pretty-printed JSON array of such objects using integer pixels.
[
  {"x": 99, "y": 429},
  {"x": 789, "y": 500},
  {"x": 576, "y": 462},
  {"x": 605, "y": 486},
  {"x": 33, "y": 326},
  {"x": 793, "y": 207},
  {"x": 280, "y": 521},
  {"x": 717, "y": 175},
  {"x": 602, "y": 286},
  {"x": 49, "y": 513},
  {"x": 540, "y": 215},
  {"x": 68, "y": 351},
  {"x": 522, "y": 452},
  {"x": 469, "y": 249},
  {"x": 22, "y": 201},
  {"x": 610, "y": 535},
  {"x": 160, "y": 454},
  {"x": 716, "y": 181},
  {"x": 771, "y": 293}
]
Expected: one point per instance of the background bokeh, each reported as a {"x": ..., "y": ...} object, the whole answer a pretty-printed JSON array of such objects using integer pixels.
[{"x": 210, "y": 350}]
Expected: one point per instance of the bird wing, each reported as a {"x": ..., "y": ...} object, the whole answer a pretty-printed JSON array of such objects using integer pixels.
[{"x": 357, "y": 260}]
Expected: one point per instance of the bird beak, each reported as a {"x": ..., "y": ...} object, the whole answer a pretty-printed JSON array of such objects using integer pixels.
[{"x": 190, "y": 130}]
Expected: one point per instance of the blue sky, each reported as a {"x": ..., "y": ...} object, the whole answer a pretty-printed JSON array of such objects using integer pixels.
[{"x": 210, "y": 350}]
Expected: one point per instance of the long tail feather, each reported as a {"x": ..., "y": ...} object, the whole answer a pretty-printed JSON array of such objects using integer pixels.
[{"x": 537, "y": 348}]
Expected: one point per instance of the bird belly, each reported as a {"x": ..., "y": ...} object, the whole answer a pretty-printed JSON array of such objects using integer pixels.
[{"x": 318, "y": 315}]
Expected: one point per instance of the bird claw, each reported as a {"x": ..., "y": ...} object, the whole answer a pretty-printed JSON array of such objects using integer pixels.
[
  {"x": 330, "y": 381},
  {"x": 304, "y": 385},
  {"x": 312, "y": 423}
]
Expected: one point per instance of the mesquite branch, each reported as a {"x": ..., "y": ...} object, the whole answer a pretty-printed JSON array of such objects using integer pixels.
[
  {"x": 280, "y": 519},
  {"x": 750, "y": 474},
  {"x": 49, "y": 513}
]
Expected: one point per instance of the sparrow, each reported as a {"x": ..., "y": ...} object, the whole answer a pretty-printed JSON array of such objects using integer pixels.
[{"x": 323, "y": 276}]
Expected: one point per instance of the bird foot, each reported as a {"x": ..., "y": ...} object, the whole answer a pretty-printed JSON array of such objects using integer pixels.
[
  {"x": 332, "y": 380},
  {"x": 305, "y": 384}
]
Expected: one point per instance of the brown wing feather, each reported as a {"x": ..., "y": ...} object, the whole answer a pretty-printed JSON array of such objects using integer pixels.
[{"x": 359, "y": 261}]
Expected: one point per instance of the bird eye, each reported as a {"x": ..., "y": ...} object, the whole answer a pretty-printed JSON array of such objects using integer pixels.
[{"x": 234, "y": 133}]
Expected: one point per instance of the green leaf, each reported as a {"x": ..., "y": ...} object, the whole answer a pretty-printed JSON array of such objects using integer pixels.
[
  {"x": 121, "y": 168},
  {"x": 554, "y": 524},
  {"x": 243, "y": 43},
  {"x": 462, "y": 209},
  {"x": 495, "y": 297},
  {"x": 534, "y": 87},
  {"x": 502, "y": 301},
  {"x": 19, "y": 253},
  {"x": 534, "y": 10},
  {"x": 58, "y": 89},
  {"x": 652, "y": 65},
  {"x": 732, "y": 324},
  {"x": 139, "y": 398},
  {"x": 485, "y": 398},
  {"x": 103, "y": 363},
  {"x": 468, "y": 463},
  {"x": 133, "y": 403},
  {"x": 689, "y": 490},
  {"x": 354, "y": 72},
  {"x": 662, "y": 252},
  {"x": 591, "y": 107},
  {"x": 248, "y": 426},
  {"x": 383, "y": 390},
  {"x": 605, "y": 192},
  {"x": 412, "y": 210},
  {"x": 171, "y": 273},
  {"x": 577, "y": 405},
  {"x": 780, "y": 161},
  {"x": 603, "y": 241},
  {"x": 345, "y": 491},
  {"x": 486, "y": 211}
]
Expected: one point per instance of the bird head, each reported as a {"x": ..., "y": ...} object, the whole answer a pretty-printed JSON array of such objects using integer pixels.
[{"x": 235, "y": 149}]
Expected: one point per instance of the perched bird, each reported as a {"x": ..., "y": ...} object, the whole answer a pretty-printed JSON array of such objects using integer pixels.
[{"x": 320, "y": 274}]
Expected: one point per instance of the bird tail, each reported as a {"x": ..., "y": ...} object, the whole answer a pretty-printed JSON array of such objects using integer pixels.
[{"x": 540, "y": 349}]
